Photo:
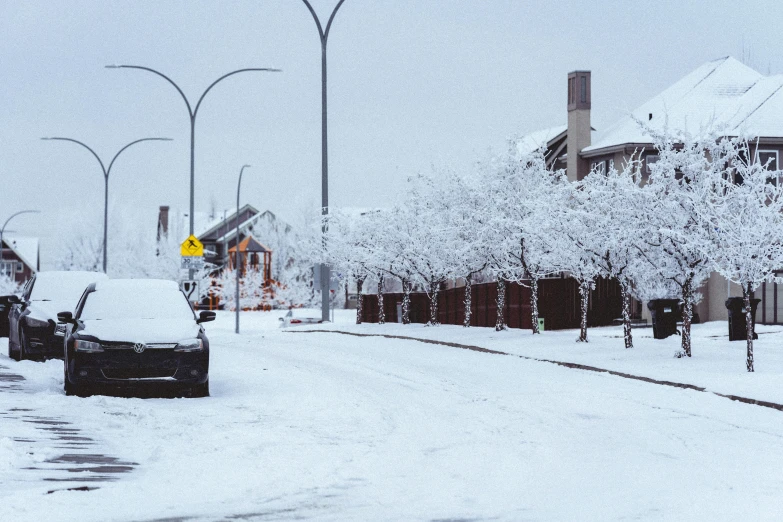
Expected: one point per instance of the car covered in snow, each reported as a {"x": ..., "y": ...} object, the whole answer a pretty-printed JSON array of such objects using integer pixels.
[
  {"x": 135, "y": 332},
  {"x": 32, "y": 319}
]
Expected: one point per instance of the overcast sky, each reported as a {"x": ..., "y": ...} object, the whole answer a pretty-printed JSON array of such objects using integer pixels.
[{"x": 412, "y": 84}]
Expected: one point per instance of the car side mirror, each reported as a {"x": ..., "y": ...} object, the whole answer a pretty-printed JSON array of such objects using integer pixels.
[
  {"x": 65, "y": 317},
  {"x": 205, "y": 317},
  {"x": 12, "y": 299}
]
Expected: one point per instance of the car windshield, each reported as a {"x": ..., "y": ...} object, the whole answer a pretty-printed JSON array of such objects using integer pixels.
[
  {"x": 62, "y": 286},
  {"x": 136, "y": 303}
]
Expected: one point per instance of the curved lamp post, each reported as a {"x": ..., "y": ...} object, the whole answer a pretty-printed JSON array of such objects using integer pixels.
[
  {"x": 2, "y": 229},
  {"x": 106, "y": 172},
  {"x": 324, "y": 156},
  {"x": 236, "y": 245},
  {"x": 192, "y": 112}
]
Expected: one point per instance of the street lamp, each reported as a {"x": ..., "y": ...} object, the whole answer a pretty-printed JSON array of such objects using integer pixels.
[
  {"x": 236, "y": 244},
  {"x": 106, "y": 172},
  {"x": 324, "y": 157},
  {"x": 2, "y": 229},
  {"x": 192, "y": 112}
]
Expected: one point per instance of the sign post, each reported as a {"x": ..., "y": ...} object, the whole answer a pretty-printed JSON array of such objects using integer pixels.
[{"x": 192, "y": 252}]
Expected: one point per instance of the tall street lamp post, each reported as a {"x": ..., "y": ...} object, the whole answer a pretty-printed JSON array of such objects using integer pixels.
[
  {"x": 236, "y": 244},
  {"x": 2, "y": 229},
  {"x": 192, "y": 112},
  {"x": 106, "y": 172},
  {"x": 324, "y": 156}
]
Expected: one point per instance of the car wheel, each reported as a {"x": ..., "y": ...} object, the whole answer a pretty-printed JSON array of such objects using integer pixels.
[{"x": 200, "y": 390}]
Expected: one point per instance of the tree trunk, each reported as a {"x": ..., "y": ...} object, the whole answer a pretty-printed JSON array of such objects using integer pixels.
[
  {"x": 584, "y": 293},
  {"x": 500, "y": 324},
  {"x": 627, "y": 336},
  {"x": 407, "y": 287},
  {"x": 434, "y": 288},
  {"x": 534, "y": 304},
  {"x": 687, "y": 316},
  {"x": 468, "y": 300},
  {"x": 359, "y": 300},
  {"x": 381, "y": 311},
  {"x": 748, "y": 326}
]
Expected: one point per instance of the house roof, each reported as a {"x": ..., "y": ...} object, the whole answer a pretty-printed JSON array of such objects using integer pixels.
[
  {"x": 540, "y": 138},
  {"x": 26, "y": 248},
  {"x": 722, "y": 94},
  {"x": 250, "y": 244}
]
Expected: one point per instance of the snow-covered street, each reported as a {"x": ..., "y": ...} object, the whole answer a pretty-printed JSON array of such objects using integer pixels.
[{"x": 332, "y": 427}]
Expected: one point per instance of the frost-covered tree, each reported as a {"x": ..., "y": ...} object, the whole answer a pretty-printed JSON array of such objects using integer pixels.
[
  {"x": 521, "y": 208},
  {"x": 8, "y": 286},
  {"x": 744, "y": 216}
]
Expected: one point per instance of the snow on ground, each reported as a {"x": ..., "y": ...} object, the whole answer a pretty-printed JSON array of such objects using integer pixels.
[
  {"x": 330, "y": 427},
  {"x": 717, "y": 364}
]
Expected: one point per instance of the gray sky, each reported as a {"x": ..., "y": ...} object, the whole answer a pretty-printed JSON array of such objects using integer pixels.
[{"x": 412, "y": 84}]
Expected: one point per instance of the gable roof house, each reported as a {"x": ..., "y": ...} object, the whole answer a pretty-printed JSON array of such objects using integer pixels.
[
  {"x": 723, "y": 94},
  {"x": 19, "y": 257}
]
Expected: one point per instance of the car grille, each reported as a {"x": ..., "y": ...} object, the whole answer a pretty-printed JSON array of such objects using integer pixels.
[
  {"x": 138, "y": 373},
  {"x": 129, "y": 346}
]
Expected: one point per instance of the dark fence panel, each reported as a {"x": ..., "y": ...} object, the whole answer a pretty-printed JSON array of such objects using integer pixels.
[{"x": 558, "y": 305}]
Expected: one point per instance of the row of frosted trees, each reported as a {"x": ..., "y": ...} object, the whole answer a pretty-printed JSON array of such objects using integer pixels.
[{"x": 658, "y": 228}]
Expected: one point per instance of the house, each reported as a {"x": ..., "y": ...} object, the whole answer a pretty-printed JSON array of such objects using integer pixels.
[
  {"x": 19, "y": 257},
  {"x": 723, "y": 94}
]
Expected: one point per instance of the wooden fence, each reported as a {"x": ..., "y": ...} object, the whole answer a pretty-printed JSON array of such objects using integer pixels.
[{"x": 558, "y": 305}]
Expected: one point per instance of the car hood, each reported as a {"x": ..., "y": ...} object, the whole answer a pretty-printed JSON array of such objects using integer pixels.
[
  {"x": 142, "y": 330},
  {"x": 45, "y": 310}
]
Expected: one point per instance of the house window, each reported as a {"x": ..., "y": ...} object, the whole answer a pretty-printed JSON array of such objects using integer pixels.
[
  {"x": 649, "y": 162},
  {"x": 611, "y": 165},
  {"x": 769, "y": 159},
  {"x": 19, "y": 267},
  {"x": 598, "y": 167},
  {"x": 7, "y": 268}
]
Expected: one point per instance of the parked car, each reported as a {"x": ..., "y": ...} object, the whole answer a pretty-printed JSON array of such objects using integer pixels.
[
  {"x": 135, "y": 332},
  {"x": 32, "y": 320},
  {"x": 5, "y": 308}
]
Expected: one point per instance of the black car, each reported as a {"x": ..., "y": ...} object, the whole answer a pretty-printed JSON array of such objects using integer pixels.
[
  {"x": 32, "y": 320},
  {"x": 5, "y": 307},
  {"x": 135, "y": 332}
]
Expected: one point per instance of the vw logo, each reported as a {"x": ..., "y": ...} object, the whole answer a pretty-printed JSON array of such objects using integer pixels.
[{"x": 138, "y": 347}]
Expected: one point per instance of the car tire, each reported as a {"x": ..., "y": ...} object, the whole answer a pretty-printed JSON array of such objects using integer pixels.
[
  {"x": 200, "y": 390},
  {"x": 76, "y": 389}
]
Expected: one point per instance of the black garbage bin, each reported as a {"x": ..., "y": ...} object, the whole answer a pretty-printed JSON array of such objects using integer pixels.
[
  {"x": 665, "y": 314},
  {"x": 736, "y": 307}
]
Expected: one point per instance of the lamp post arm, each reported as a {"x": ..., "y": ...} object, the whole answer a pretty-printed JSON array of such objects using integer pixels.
[
  {"x": 103, "y": 167},
  {"x": 153, "y": 71},
  {"x": 317, "y": 21},
  {"x": 198, "y": 104},
  {"x": 329, "y": 23},
  {"x": 2, "y": 230},
  {"x": 108, "y": 171}
]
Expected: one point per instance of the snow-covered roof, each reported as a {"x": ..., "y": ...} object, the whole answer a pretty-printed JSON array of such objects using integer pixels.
[
  {"x": 721, "y": 93},
  {"x": 203, "y": 222},
  {"x": 540, "y": 138},
  {"x": 24, "y": 247}
]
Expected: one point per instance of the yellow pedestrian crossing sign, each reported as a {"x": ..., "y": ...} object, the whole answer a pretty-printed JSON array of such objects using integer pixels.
[{"x": 192, "y": 247}]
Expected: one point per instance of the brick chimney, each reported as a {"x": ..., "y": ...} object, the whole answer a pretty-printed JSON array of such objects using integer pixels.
[
  {"x": 578, "y": 123},
  {"x": 163, "y": 221}
]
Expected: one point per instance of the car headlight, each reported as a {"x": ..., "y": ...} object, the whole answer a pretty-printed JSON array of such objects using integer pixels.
[
  {"x": 191, "y": 345},
  {"x": 87, "y": 346},
  {"x": 36, "y": 323}
]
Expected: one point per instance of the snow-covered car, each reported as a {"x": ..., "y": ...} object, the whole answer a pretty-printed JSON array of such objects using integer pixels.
[
  {"x": 133, "y": 332},
  {"x": 32, "y": 320}
]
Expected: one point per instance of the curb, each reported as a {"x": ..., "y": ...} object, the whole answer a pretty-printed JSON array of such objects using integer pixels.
[{"x": 574, "y": 366}]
